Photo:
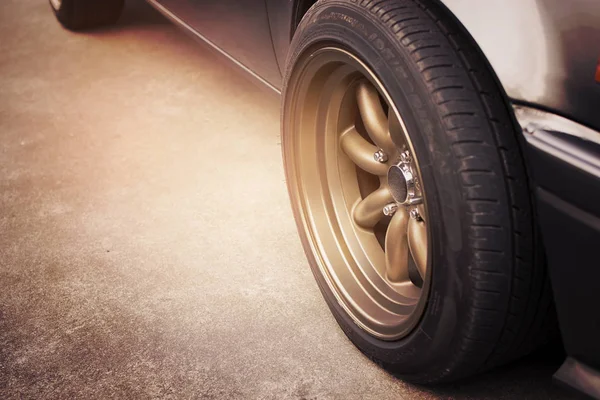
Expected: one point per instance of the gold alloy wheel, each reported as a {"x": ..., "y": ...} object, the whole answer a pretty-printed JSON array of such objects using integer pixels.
[{"x": 354, "y": 177}]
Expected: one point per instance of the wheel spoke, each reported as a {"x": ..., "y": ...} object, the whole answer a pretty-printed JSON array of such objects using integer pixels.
[
  {"x": 417, "y": 241},
  {"x": 361, "y": 152},
  {"x": 396, "y": 128},
  {"x": 370, "y": 209},
  {"x": 373, "y": 116},
  {"x": 396, "y": 247}
]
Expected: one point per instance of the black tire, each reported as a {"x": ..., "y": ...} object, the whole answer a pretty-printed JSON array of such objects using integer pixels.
[
  {"x": 78, "y": 15},
  {"x": 490, "y": 300}
]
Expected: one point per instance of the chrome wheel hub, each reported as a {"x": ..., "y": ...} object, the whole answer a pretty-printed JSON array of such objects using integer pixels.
[{"x": 403, "y": 182}]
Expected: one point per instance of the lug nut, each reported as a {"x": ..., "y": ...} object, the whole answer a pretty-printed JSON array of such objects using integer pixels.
[
  {"x": 405, "y": 157},
  {"x": 414, "y": 214},
  {"x": 380, "y": 156},
  {"x": 390, "y": 209}
]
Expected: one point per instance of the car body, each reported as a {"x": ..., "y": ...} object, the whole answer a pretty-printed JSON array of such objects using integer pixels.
[{"x": 545, "y": 55}]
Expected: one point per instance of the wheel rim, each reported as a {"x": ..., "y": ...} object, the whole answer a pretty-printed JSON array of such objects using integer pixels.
[{"x": 354, "y": 178}]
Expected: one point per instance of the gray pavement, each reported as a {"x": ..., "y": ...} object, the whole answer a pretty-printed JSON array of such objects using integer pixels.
[{"x": 147, "y": 248}]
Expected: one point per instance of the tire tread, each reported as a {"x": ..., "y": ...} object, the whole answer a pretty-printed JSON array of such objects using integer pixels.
[{"x": 463, "y": 82}]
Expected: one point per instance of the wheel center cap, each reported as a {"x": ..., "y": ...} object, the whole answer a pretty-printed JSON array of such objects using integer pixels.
[{"x": 400, "y": 178}]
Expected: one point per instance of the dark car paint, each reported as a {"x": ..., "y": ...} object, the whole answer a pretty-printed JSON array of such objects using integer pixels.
[
  {"x": 240, "y": 27},
  {"x": 568, "y": 208},
  {"x": 256, "y": 35}
]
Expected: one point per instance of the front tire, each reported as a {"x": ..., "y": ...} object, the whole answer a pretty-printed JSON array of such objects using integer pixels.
[
  {"x": 78, "y": 15},
  {"x": 369, "y": 86}
]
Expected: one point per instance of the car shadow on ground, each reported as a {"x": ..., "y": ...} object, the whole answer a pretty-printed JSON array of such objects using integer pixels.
[{"x": 530, "y": 377}]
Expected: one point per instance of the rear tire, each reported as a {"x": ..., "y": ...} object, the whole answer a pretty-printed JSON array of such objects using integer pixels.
[
  {"x": 78, "y": 15},
  {"x": 487, "y": 298}
]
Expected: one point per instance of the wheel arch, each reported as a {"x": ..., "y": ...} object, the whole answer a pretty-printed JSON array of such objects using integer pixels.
[{"x": 299, "y": 10}]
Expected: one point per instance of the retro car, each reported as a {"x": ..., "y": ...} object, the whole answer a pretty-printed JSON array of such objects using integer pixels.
[{"x": 443, "y": 162}]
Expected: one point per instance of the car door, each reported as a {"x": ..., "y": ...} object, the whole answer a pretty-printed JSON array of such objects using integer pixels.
[{"x": 240, "y": 28}]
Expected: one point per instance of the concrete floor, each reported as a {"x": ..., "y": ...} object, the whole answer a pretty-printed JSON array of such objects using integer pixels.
[{"x": 147, "y": 248}]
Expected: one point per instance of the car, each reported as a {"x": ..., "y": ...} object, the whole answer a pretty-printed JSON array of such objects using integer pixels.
[{"x": 443, "y": 161}]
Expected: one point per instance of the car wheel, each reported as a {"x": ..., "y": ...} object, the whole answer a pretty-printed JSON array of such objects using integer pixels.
[
  {"x": 410, "y": 190},
  {"x": 86, "y": 14}
]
